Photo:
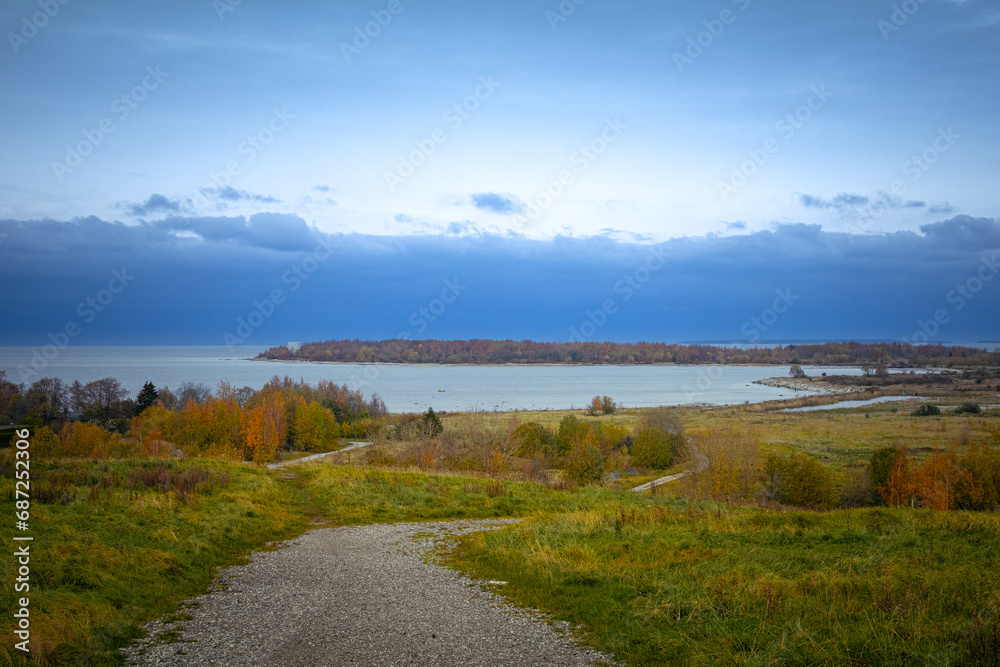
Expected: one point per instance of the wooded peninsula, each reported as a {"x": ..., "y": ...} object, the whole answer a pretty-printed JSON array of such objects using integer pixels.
[{"x": 487, "y": 352}]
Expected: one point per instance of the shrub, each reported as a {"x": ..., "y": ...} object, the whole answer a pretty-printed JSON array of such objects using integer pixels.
[
  {"x": 533, "y": 439},
  {"x": 927, "y": 410},
  {"x": 799, "y": 480},
  {"x": 595, "y": 406},
  {"x": 585, "y": 463},
  {"x": 653, "y": 448},
  {"x": 571, "y": 429},
  {"x": 967, "y": 408}
]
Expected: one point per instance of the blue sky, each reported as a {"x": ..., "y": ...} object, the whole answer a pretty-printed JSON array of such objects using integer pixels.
[{"x": 533, "y": 149}]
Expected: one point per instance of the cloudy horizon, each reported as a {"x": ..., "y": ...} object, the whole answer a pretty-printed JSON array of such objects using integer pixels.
[{"x": 533, "y": 151}]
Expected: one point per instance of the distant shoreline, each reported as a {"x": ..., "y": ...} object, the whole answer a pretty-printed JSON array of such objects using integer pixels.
[{"x": 582, "y": 365}]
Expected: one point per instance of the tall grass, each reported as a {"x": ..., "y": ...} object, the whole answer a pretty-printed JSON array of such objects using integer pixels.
[
  {"x": 349, "y": 495},
  {"x": 741, "y": 586},
  {"x": 118, "y": 544}
]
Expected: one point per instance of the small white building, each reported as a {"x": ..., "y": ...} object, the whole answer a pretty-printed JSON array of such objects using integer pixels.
[{"x": 295, "y": 347}]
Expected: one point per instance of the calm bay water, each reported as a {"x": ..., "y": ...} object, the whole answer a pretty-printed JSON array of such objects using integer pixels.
[{"x": 406, "y": 388}]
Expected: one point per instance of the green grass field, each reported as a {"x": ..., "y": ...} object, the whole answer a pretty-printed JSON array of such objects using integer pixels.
[
  {"x": 108, "y": 555},
  {"x": 669, "y": 585},
  {"x": 652, "y": 579}
]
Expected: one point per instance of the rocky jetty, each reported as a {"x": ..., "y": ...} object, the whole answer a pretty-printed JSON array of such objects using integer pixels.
[{"x": 806, "y": 384}]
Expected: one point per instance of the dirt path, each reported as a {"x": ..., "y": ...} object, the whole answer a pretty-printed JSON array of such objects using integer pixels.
[
  {"x": 700, "y": 464},
  {"x": 357, "y": 595},
  {"x": 312, "y": 457}
]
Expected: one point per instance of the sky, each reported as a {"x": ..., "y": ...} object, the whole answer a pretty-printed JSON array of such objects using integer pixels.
[{"x": 739, "y": 170}]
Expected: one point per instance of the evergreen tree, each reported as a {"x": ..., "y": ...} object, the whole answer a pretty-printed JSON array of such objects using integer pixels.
[{"x": 146, "y": 398}]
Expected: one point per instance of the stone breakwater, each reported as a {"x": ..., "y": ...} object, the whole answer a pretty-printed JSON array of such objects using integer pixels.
[{"x": 804, "y": 384}]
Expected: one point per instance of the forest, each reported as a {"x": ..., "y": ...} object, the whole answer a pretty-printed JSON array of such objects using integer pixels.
[{"x": 483, "y": 352}]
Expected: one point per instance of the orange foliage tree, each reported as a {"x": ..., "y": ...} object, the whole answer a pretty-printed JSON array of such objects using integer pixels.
[
  {"x": 264, "y": 428},
  {"x": 940, "y": 481},
  {"x": 898, "y": 489}
]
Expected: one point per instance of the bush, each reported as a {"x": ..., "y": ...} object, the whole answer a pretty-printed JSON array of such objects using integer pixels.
[
  {"x": 602, "y": 405},
  {"x": 585, "y": 463},
  {"x": 653, "y": 448},
  {"x": 967, "y": 408},
  {"x": 799, "y": 480},
  {"x": 570, "y": 430},
  {"x": 927, "y": 410},
  {"x": 533, "y": 439}
]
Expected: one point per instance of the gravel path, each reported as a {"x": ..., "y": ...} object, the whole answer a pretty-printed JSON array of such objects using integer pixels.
[{"x": 358, "y": 595}]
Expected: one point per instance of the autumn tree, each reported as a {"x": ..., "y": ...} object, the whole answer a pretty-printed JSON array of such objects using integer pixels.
[
  {"x": 595, "y": 406},
  {"x": 315, "y": 427},
  {"x": 880, "y": 467},
  {"x": 982, "y": 463},
  {"x": 898, "y": 487},
  {"x": 88, "y": 440},
  {"x": 223, "y": 419},
  {"x": 264, "y": 428},
  {"x": 940, "y": 481}
]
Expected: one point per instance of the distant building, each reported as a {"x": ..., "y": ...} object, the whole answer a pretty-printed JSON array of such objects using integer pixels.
[{"x": 295, "y": 347}]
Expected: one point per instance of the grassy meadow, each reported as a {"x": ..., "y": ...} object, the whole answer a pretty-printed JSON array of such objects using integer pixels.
[{"x": 671, "y": 578}]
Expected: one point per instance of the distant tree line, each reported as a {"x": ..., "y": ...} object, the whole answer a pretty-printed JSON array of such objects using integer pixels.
[{"x": 397, "y": 351}]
